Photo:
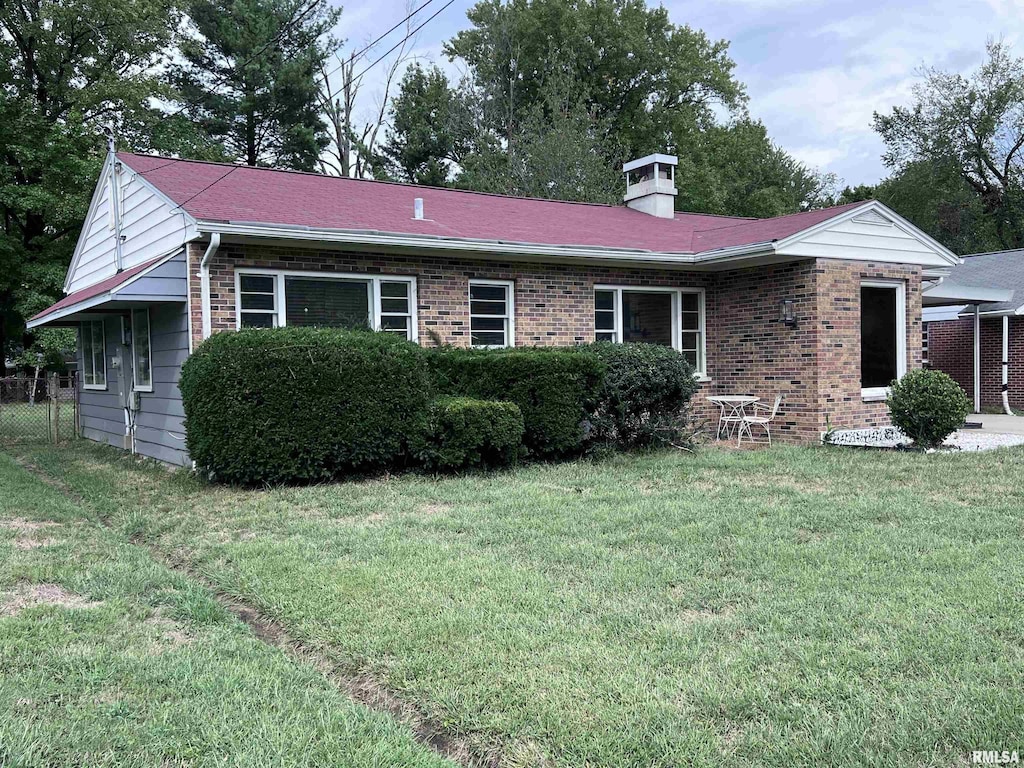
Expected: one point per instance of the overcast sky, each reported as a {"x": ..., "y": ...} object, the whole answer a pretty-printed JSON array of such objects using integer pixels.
[{"x": 815, "y": 71}]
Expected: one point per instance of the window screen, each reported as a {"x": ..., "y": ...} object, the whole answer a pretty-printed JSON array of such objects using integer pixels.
[{"x": 329, "y": 303}]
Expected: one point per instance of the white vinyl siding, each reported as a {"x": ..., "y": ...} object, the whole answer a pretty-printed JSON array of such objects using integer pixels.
[
  {"x": 671, "y": 316},
  {"x": 491, "y": 313},
  {"x": 142, "y": 351},
  {"x": 272, "y": 298},
  {"x": 94, "y": 357},
  {"x": 150, "y": 226}
]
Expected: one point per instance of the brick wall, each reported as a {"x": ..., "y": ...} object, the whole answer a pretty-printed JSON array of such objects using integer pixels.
[
  {"x": 815, "y": 365},
  {"x": 951, "y": 349},
  {"x": 838, "y": 322}
]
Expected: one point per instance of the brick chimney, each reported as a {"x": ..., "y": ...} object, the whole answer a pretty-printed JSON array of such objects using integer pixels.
[{"x": 651, "y": 185}]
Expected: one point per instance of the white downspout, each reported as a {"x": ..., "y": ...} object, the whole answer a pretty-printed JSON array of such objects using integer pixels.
[
  {"x": 977, "y": 358},
  {"x": 1006, "y": 366},
  {"x": 204, "y": 283}
]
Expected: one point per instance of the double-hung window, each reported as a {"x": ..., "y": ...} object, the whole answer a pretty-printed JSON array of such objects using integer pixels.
[
  {"x": 142, "y": 356},
  {"x": 94, "y": 360},
  {"x": 883, "y": 336},
  {"x": 271, "y": 298},
  {"x": 673, "y": 317},
  {"x": 491, "y": 313}
]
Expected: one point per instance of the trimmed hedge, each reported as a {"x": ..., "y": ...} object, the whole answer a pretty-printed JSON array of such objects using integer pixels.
[
  {"x": 556, "y": 389},
  {"x": 644, "y": 396},
  {"x": 302, "y": 404},
  {"x": 464, "y": 432},
  {"x": 928, "y": 406}
]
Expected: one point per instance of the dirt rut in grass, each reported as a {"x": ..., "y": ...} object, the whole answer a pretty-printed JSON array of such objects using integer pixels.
[{"x": 361, "y": 688}]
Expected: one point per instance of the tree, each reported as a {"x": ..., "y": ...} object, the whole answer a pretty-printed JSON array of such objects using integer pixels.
[
  {"x": 352, "y": 149},
  {"x": 430, "y": 131},
  {"x": 561, "y": 152},
  {"x": 249, "y": 77},
  {"x": 973, "y": 125},
  {"x": 67, "y": 70},
  {"x": 598, "y": 81}
]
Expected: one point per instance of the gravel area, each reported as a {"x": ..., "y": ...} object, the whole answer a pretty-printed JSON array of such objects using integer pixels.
[{"x": 890, "y": 437}]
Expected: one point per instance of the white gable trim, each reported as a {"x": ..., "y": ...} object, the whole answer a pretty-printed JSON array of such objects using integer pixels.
[
  {"x": 931, "y": 253},
  {"x": 97, "y": 196},
  {"x": 151, "y": 228}
]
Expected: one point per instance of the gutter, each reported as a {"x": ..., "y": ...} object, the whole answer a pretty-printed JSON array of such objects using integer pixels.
[
  {"x": 204, "y": 283},
  {"x": 497, "y": 247}
]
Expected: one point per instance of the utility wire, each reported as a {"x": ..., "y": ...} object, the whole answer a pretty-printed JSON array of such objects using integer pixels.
[
  {"x": 365, "y": 48},
  {"x": 404, "y": 40},
  {"x": 218, "y": 180}
]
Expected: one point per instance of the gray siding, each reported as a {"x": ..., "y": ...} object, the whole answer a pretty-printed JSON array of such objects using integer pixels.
[
  {"x": 159, "y": 424},
  {"x": 102, "y": 411},
  {"x": 163, "y": 282}
]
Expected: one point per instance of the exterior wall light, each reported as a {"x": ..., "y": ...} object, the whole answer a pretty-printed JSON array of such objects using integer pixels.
[{"x": 787, "y": 313}]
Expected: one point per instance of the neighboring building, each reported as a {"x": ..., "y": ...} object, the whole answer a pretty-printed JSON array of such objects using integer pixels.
[
  {"x": 951, "y": 331},
  {"x": 823, "y": 307}
]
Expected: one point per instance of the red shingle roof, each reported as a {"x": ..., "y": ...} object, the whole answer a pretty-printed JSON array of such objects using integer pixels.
[
  {"x": 239, "y": 194},
  {"x": 103, "y": 286}
]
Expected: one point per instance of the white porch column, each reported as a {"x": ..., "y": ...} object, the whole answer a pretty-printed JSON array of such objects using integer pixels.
[{"x": 977, "y": 358}]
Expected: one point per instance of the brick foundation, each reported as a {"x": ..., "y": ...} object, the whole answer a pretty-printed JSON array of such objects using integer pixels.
[{"x": 815, "y": 365}]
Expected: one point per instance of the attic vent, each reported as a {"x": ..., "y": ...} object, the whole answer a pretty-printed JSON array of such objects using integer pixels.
[{"x": 872, "y": 217}]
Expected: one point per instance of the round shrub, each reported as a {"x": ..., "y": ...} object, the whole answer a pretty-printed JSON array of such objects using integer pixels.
[
  {"x": 555, "y": 389},
  {"x": 645, "y": 395},
  {"x": 928, "y": 406},
  {"x": 464, "y": 432},
  {"x": 302, "y": 404}
]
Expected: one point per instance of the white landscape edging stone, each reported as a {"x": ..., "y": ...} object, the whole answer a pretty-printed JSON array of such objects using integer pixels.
[{"x": 893, "y": 437}]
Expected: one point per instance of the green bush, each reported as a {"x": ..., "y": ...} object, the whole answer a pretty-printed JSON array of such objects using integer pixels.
[
  {"x": 555, "y": 388},
  {"x": 645, "y": 395},
  {"x": 928, "y": 406},
  {"x": 302, "y": 404},
  {"x": 464, "y": 432}
]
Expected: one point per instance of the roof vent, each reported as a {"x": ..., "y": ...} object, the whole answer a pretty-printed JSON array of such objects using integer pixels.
[
  {"x": 417, "y": 208},
  {"x": 651, "y": 185}
]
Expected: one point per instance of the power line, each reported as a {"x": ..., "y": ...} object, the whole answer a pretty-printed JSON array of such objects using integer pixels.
[
  {"x": 397, "y": 45},
  {"x": 368, "y": 47},
  {"x": 218, "y": 180}
]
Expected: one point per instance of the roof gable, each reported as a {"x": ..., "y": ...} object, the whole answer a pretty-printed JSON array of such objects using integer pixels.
[
  {"x": 869, "y": 231},
  {"x": 289, "y": 204}
]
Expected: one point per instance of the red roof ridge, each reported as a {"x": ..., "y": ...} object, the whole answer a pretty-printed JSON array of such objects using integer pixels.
[
  {"x": 388, "y": 182},
  {"x": 409, "y": 185},
  {"x": 834, "y": 208}
]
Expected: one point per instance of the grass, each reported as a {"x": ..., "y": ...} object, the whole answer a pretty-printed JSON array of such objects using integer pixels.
[
  {"x": 109, "y": 658},
  {"x": 780, "y": 607}
]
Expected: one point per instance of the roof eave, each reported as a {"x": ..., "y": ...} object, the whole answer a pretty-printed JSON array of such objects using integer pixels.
[{"x": 439, "y": 242}]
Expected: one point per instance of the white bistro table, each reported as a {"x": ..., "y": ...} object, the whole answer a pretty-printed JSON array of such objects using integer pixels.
[{"x": 732, "y": 410}]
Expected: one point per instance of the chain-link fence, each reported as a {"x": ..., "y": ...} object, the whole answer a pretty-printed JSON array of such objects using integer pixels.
[{"x": 38, "y": 409}]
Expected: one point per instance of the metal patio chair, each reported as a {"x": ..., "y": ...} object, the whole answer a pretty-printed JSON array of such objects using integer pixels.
[{"x": 762, "y": 416}]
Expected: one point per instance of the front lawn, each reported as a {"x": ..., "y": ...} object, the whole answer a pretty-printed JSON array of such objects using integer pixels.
[
  {"x": 781, "y": 607},
  {"x": 108, "y": 658}
]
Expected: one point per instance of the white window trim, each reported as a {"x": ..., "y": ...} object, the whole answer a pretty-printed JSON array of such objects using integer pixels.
[
  {"x": 103, "y": 341},
  {"x": 135, "y": 362},
  {"x": 881, "y": 393},
  {"x": 509, "y": 317},
  {"x": 374, "y": 281},
  {"x": 677, "y": 318}
]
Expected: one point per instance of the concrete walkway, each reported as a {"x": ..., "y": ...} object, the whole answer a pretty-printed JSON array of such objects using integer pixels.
[{"x": 999, "y": 423}]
